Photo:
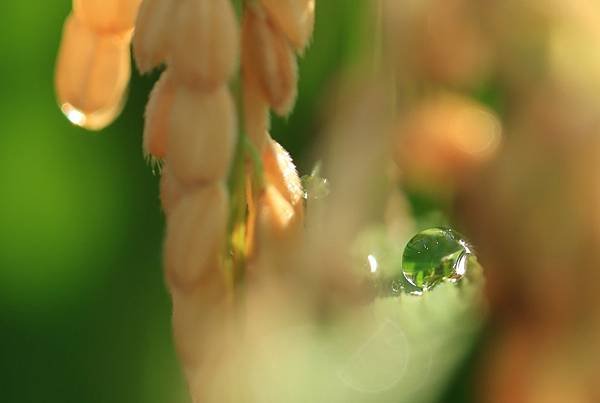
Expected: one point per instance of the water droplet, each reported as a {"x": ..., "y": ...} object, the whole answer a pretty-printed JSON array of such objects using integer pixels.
[
  {"x": 396, "y": 286},
  {"x": 435, "y": 255},
  {"x": 96, "y": 120},
  {"x": 315, "y": 187}
]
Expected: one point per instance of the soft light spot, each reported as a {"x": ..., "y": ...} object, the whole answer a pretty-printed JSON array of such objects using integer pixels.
[
  {"x": 74, "y": 115},
  {"x": 373, "y": 265}
]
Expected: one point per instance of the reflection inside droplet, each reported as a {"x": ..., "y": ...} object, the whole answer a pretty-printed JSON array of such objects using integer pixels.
[
  {"x": 74, "y": 115},
  {"x": 410, "y": 288},
  {"x": 461, "y": 265}
]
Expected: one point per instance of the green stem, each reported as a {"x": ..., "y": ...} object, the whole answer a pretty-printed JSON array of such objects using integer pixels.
[{"x": 236, "y": 253}]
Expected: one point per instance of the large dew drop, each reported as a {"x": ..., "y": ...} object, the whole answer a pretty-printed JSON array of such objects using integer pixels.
[{"x": 435, "y": 255}]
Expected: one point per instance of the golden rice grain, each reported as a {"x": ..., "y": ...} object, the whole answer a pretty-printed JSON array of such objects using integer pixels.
[
  {"x": 205, "y": 43},
  {"x": 267, "y": 52},
  {"x": 92, "y": 73},
  {"x": 152, "y": 36},
  {"x": 256, "y": 112},
  {"x": 281, "y": 172},
  {"x": 158, "y": 113},
  {"x": 195, "y": 240},
  {"x": 276, "y": 214},
  {"x": 171, "y": 190},
  {"x": 295, "y": 18},
  {"x": 202, "y": 135},
  {"x": 196, "y": 316},
  {"x": 107, "y": 16}
]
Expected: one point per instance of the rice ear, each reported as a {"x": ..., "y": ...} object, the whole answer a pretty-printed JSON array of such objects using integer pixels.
[
  {"x": 107, "y": 16},
  {"x": 92, "y": 73},
  {"x": 202, "y": 133},
  {"x": 256, "y": 111},
  {"x": 281, "y": 172},
  {"x": 195, "y": 240},
  {"x": 158, "y": 112},
  {"x": 152, "y": 36},
  {"x": 171, "y": 190},
  {"x": 279, "y": 212},
  {"x": 205, "y": 43},
  {"x": 268, "y": 54},
  {"x": 276, "y": 214},
  {"x": 295, "y": 18},
  {"x": 255, "y": 103}
]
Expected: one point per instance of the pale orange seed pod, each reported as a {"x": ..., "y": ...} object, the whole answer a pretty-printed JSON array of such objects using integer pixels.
[
  {"x": 195, "y": 239},
  {"x": 202, "y": 135},
  {"x": 256, "y": 106},
  {"x": 158, "y": 113},
  {"x": 205, "y": 43},
  {"x": 92, "y": 73},
  {"x": 202, "y": 336},
  {"x": 195, "y": 315},
  {"x": 295, "y": 18},
  {"x": 107, "y": 16},
  {"x": 171, "y": 190},
  {"x": 276, "y": 215},
  {"x": 281, "y": 172},
  {"x": 267, "y": 52},
  {"x": 256, "y": 111},
  {"x": 152, "y": 36}
]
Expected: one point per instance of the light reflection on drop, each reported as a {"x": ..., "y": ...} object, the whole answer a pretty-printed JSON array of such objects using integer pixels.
[
  {"x": 74, "y": 115},
  {"x": 373, "y": 265},
  {"x": 460, "y": 268},
  {"x": 96, "y": 120}
]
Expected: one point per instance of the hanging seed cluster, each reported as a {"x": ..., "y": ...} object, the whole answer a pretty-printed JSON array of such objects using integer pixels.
[
  {"x": 273, "y": 33},
  {"x": 93, "y": 66},
  {"x": 191, "y": 126}
]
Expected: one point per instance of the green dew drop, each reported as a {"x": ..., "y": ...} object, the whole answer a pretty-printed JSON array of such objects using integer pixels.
[
  {"x": 315, "y": 186},
  {"x": 435, "y": 255}
]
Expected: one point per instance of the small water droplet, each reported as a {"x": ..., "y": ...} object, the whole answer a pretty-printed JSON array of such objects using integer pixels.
[
  {"x": 96, "y": 120},
  {"x": 315, "y": 186},
  {"x": 396, "y": 286},
  {"x": 435, "y": 255}
]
